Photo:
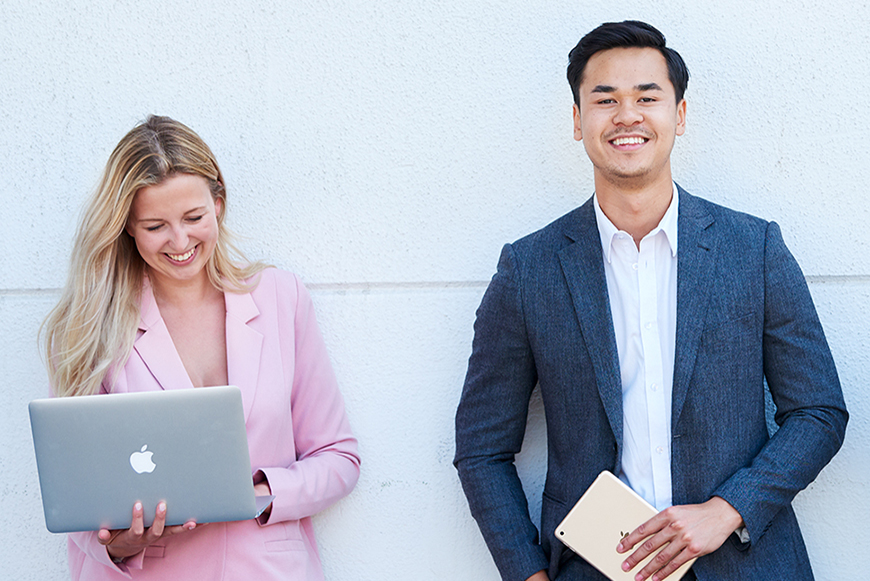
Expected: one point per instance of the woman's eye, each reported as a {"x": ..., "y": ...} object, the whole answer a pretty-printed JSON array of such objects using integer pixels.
[
  {"x": 194, "y": 219},
  {"x": 154, "y": 228}
]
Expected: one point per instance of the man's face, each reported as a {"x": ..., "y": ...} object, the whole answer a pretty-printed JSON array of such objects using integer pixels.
[{"x": 628, "y": 116}]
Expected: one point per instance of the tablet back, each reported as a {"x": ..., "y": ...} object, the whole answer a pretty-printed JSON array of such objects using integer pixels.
[{"x": 606, "y": 512}]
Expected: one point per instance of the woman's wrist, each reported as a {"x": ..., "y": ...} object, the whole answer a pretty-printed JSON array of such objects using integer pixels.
[
  {"x": 116, "y": 559},
  {"x": 115, "y": 556}
]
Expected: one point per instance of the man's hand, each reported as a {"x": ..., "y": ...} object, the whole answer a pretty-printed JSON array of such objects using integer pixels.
[
  {"x": 539, "y": 576},
  {"x": 685, "y": 532}
]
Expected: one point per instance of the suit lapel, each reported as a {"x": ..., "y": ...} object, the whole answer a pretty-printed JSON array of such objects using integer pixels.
[
  {"x": 244, "y": 346},
  {"x": 696, "y": 258},
  {"x": 583, "y": 266},
  {"x": 155, "y": 347}
]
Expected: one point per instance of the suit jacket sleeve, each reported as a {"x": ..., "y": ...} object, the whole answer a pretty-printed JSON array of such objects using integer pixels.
[
  {"x": 327, "y": 464},
  {"x": 803, "y": 381},
  {"x": 491, "y": 421}
]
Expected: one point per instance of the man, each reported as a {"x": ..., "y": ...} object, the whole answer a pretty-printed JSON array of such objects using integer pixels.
[{"x": 650, "y": 319}]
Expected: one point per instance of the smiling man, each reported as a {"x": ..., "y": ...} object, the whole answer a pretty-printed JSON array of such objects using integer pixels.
[{"x": 651, "y": 320}]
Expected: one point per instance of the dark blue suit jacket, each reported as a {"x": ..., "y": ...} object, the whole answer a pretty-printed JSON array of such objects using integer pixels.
[{"x": 744, "y": 314}]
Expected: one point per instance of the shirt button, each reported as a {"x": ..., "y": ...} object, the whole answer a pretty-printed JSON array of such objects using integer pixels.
[
  {"x": 648, "y": 326},
  {"x": 660, "y": 450},
  {"x": 654, "y": 387},
  {"x": 634, "y": 266}
]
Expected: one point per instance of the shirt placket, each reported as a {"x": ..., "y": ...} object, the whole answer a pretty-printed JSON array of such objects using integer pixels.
[{"x": 653, "y": 373}]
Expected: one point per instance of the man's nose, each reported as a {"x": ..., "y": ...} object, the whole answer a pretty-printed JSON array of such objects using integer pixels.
[{"x": 627, "y": 114}]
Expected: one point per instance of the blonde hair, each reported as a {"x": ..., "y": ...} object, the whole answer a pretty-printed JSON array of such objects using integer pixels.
[{"x": 91, "y": 330}]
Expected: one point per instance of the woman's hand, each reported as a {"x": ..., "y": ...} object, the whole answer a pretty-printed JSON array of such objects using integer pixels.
[{"x": 124, "y": 543}]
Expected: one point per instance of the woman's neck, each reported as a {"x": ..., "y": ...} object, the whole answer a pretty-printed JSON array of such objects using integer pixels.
[{"x": 183, "y": 292}]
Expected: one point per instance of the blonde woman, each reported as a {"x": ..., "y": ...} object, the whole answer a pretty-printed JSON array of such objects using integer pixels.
[{"x": 158, "y": 298}]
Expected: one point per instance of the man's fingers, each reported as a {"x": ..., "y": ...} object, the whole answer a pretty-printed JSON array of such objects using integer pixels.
[
  {"x": 647, "y": 548},
  {"x": 649, "y": 528},
  {"x": 662, "y": 564}
]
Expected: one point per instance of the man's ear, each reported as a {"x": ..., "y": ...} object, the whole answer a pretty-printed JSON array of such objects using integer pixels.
[
  {"x": 578, "y": 134},
  {"x": 681, "y": 117}
]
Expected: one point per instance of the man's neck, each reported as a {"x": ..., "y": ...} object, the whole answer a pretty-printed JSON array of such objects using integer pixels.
[{"x": 635, "y": 208}]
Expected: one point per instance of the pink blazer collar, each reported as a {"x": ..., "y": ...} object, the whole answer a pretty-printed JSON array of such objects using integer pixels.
[{"x": 244, "y": 345}]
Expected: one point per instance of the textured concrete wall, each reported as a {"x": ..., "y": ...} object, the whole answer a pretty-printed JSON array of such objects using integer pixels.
[{"x": 385, "y": 151}]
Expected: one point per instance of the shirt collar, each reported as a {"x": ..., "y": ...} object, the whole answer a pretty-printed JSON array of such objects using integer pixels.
[{"x": 668, "y": 224}]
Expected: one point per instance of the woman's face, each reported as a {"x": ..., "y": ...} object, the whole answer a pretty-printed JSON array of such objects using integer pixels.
[{"x": 175, "y": 228}]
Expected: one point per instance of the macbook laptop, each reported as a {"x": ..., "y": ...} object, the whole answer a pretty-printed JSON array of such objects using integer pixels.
[
  {"x": 608, "y": 511},
  {"x": 97, "y": 455}
]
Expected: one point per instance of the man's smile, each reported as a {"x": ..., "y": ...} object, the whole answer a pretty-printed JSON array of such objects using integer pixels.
[{"x": 629, "y": 141}]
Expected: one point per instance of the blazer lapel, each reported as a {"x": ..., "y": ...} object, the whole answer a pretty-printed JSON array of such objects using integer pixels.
[
  {"x": 244, "y": 346},
  {"x": 583, "y": 266},
  {"x": 155, "y": 347},
  {"x": 695, "y": 261}
]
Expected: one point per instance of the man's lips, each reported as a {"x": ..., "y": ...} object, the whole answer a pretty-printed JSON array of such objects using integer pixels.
[{"x": 629, "y": 140}]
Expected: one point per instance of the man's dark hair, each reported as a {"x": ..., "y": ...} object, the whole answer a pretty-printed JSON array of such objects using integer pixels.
[{"x": 627, "y": 34}]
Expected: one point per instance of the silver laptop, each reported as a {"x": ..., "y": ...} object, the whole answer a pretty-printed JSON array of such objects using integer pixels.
[
  {"x": 607, "y": 512},
  {"x": 98, "y": 455}
]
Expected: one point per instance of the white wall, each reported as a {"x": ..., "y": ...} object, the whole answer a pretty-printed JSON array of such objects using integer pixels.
[{"x": 385, "y": 151}]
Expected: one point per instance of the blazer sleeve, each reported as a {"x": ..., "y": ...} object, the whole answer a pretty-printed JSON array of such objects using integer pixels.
[
  {"x": 491, "y": 422},
  {"x": 327, "y": 463},
  {"x": 803, "y": 381}
]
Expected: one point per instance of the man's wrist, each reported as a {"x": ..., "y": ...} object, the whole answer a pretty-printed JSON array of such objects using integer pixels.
[{"x": 731, "y": 515}]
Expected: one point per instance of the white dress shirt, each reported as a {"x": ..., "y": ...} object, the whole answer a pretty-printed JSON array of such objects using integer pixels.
[{"x": 642, "y": 287}]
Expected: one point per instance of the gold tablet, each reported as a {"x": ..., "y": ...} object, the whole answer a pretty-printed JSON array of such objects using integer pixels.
[{"x": 608, "y": 511}]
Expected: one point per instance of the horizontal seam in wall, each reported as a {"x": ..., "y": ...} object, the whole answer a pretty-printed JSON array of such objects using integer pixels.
[
  {"x": 422, "y": 285},
  {"x": 314, "y": 286},
  {"x": 837, "y": 278},
  {"x": 365, "y": 286}
]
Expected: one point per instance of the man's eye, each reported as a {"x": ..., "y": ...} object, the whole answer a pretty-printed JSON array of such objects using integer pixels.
[
  {"x": 647, "y": 100},
  {"x": 606, "y": 101}
]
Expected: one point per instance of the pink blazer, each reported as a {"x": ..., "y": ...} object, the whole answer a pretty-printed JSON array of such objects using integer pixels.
[{"x": 298, "y": 435}]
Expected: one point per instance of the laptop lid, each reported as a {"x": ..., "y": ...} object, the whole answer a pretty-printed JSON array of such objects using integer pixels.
[
  {"x": 606, "y": 512},
  {"x": 97, "y": 455}
]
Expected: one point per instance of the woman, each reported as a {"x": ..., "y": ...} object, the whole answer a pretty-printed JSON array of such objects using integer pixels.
[{"x": 154, "y": 300}]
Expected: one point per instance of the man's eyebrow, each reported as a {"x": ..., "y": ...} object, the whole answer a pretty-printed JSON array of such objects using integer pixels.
[{"x": 641, "y": 88}]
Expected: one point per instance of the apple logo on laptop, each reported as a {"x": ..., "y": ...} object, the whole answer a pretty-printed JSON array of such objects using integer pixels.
[{"x": 141, "y": 461}]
